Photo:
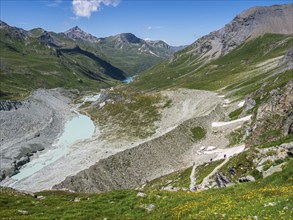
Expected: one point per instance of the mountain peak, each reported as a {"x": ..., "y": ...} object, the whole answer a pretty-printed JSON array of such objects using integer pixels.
[
  {"x": 251, "y": 23},
  {"x": 78, "y": 34},
  {"x": 3, "y": 24},
  {"x": 128, "y": 38},
  {"x": 76, "y": 28},
  {"x": 158, "y": 43}
]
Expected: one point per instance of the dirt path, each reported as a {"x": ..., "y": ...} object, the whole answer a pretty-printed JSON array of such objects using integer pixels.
[
  {"x": 207, "y": 178},
  {"x": 192, "y": 179},
  {"x": 229, "y": 152}
]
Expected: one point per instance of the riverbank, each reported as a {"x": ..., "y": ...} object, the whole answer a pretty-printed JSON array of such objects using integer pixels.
[{"x": 31, "y": 128}]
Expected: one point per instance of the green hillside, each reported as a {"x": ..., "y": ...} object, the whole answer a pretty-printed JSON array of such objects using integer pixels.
[
  {"x": 32, "y": 61},
  {"x": 269, "y": 198},
  {"x": 133, "y": 57},
  {"x": 243, "y": 69}
]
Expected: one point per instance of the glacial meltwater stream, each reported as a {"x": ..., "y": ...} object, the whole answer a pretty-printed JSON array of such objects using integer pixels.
[{"x": 79, "y": 128}]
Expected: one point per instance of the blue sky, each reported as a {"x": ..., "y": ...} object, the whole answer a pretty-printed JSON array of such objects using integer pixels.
[{"x": 176, "y": 22}]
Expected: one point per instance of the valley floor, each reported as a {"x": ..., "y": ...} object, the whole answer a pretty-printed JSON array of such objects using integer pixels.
[{"x": 187, "y": 105}]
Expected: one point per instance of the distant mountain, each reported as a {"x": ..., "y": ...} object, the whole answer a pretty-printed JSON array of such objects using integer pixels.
[
  {"x": 18, "y": 33},
  {"x": 125, "y": 39},
  {"x": 72, "y": 57},
  {"x": 132, "y": 54},
  {"x": 78, "y": 35},
  {"x": 40, "y": 59},
  {"x": 126, "y": 51}
]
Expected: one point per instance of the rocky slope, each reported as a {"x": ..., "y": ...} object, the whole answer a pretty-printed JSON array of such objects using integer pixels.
[
  {"x": 274, "y": 117},
  {"x": 252, "y": 23},
  {"x": 173, "y": 138},
  {"x": 167, "y": 153}
]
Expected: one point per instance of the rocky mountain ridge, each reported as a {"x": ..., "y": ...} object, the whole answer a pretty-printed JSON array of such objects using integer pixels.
[
  {"x": 37, "y": 58},
  {"x": 77, "y": 34},
  {"x": 252, "y": 23},
  {"x": 125, "y": 51}
]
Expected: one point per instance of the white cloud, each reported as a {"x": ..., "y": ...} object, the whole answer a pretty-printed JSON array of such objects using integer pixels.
[
  {"x": 84, "y": 8},
  {"x": 154, "y": 27}
]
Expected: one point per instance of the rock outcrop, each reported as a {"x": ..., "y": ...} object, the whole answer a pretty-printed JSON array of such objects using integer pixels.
[
  {"x": 47, "y": 39},
  {"x": 287, "y": 60},
  {"x": 275, "y": 115},
  {"x": 10, "y": 105},
  {"x": 221, "y": 179},
  {"x": 245, "y": 179}
]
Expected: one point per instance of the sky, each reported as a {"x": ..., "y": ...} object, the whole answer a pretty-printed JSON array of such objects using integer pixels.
[{"x": 174, "y": 21}]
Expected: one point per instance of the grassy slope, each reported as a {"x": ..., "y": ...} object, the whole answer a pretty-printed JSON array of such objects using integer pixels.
[
  {"x": 236, "y": 70},
  {"x": 237, "y": 202}
]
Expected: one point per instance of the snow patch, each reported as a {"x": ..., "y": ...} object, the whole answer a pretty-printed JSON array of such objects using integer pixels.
[
  {"x": 241, "y": 104},
  {"x": 151, "y": 52},
  {"x": 219, "y": 124}
]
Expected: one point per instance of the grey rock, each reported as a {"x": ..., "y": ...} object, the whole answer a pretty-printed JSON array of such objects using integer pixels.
[
  {"x": 10, "y": 105},
  {"x": 150, "y": 207},
  {"x": 250, "y": 103},
  {"x": 278, "y": 108},
  {"x": 273, "y": 169},
  {"x": 221, "y": 179},
  {"x": 246, "y": 179},
  {"x": 24, "y": 212},
  {"x": 141, "y": 194},
  {"x": 287, "y": 60},
  {"x": 76, "y": 199}
]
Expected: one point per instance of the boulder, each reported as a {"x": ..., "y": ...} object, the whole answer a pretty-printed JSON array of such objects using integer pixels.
[
  {"x": 246, "y": 179},
  {"x": 141, "y": 194},
  {"x": 221, "y": 179}
]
